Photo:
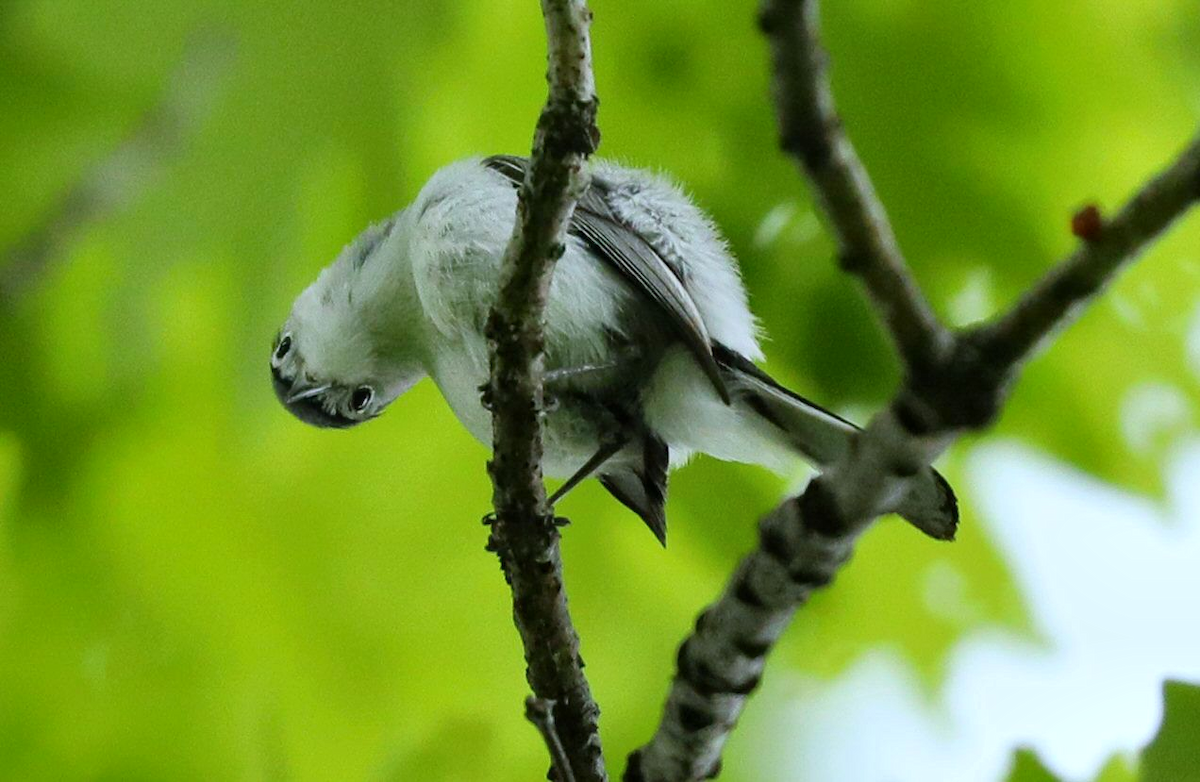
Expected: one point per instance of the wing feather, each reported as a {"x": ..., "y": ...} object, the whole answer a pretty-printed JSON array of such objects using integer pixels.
[{"x": 635, "y": 259}]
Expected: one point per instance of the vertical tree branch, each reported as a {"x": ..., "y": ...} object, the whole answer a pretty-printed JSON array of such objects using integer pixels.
[
  {"x": 524, "y": 533},
  {"x": 955, "y": 382}
]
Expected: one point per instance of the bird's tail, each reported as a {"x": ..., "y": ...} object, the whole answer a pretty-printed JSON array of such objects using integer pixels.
[{"x": 822, "y": 437}]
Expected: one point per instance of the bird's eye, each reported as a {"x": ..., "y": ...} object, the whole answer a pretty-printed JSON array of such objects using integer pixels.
[
  {"x": 285, "y": 345},
  {"x": 361, "y": 397}
]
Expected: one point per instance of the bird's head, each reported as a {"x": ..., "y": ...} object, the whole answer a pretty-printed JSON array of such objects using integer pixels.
[{"x": 329, "y": 366}]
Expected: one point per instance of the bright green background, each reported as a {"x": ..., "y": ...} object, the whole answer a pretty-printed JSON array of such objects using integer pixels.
[{"x": 195, "y": 586}]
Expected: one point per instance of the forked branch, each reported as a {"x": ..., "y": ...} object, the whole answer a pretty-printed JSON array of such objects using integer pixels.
[{"x": 954, "y": 382}]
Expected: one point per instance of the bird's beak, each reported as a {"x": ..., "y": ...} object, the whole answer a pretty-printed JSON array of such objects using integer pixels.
[{"x": 303, "y": 392}]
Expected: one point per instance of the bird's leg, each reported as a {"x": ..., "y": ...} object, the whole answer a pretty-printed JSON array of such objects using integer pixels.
[
  {"x": 606, "y": 452},
  {"x": 563, "y": 380},
  {"x": 582, "y": 370},
  {"x": 556, "y": 379}
]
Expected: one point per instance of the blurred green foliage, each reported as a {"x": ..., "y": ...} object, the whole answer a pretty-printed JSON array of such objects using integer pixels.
[
  {"x": 1175, "y": 752},
  {"x": 1027, "y": 768},
  {"x": 1173, "y": 755},
  {"x": 195, "y": 586}
]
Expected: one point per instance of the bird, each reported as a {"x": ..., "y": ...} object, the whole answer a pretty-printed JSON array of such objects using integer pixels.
[{"x": 650, "y": 344}]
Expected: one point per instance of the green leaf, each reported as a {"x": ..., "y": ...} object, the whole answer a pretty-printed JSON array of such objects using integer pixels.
[
  {"x": 1174, "y": 754},
  {"x": 1028, "y": 768}
]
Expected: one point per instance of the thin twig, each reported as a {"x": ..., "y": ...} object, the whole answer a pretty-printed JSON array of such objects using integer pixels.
[
  {"x": 1097, "y": 261},
  {"x": 811, "y": 132},
  {"x": 115, "y": 181},
  {"x": 524, "y": 533},
  {"x": 955, "y": 382},
  {"x": 541, "y": 714}
]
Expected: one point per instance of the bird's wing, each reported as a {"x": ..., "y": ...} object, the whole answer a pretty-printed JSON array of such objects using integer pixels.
[{"x": 635, "y": 259}]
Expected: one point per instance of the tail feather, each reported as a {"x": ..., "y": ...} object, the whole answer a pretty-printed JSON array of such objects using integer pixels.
[
  {"x": 641, "y": 484},
  {"x": 929, "y": 505},
  {"x": 822, "y": 437}
]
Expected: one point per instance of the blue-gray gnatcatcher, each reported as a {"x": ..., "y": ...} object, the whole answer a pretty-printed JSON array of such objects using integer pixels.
[{"x": 649, "y": 340}]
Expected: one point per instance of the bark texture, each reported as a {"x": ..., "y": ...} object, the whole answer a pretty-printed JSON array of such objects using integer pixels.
[
  {"x": 524, "y": 532},
  {"x": 955, "y": 382}
]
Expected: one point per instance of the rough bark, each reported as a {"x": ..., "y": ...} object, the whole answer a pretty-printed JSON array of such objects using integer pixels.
[
  {"x": 955, "y": 382},
  {"x": 524, "y": 532}
]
